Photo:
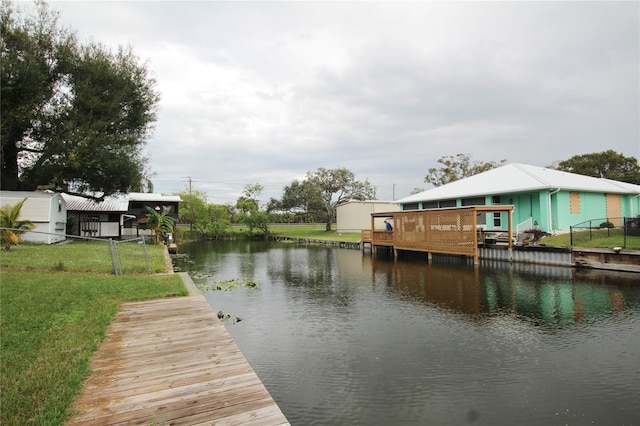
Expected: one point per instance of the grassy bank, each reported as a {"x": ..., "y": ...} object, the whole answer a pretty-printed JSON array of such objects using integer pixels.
[
  {"x": 313, "y": 232},
  {"x": 594, "y": 239},
  {"x": 83, "y": 256},
  {"x": 53, "y": 319}
]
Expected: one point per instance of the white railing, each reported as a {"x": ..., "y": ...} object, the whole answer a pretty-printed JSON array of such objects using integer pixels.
[{"x": 524, "y": 226}]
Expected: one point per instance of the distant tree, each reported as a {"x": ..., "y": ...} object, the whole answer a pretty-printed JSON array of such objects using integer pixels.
[
  {"x": 159, "y": 222},
  {"x": 302, "y": 198},
  {"x": 219, "y": 221},
  {"x": 74, "y": 117},
  {"x": 250, "y": 214},
  {"x": 607, "y": 164},
  {"x": 335, "y": 186},
  {"x": 13, "y": 226},
  {"x": 458, "y": 167},
  {"x": 193, "y": 208},
  {"x": 207, "y": 220}
]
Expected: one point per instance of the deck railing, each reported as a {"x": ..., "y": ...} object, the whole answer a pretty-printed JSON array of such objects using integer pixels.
[{"x": 450, "y": 231}]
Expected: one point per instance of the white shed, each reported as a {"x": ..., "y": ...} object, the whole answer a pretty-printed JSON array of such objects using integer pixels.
[
  {"x": 47, "y": 211},
  {"x": 354, "y": 216}
]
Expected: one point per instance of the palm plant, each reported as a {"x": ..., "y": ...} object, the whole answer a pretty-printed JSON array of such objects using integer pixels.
[
  {"x": 159, "y": 223},
  {"x": 12, "y": 226}
]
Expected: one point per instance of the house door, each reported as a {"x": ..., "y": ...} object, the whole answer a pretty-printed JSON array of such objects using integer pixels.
[{"x": 614, "y": 209}]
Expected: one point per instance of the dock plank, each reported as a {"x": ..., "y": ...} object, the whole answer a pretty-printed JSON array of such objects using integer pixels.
[{"x": 171, "y": 361}]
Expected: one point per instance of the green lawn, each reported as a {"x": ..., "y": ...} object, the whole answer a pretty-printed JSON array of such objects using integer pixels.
[
  {"x": 314, "y": 232},
  {"x": 53, "y": 319},
  {"x": 594, "y": 239},
  {"x": 83, "y": 256}
]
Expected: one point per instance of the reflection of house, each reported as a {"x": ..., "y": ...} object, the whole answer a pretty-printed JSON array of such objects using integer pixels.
[
  {"x": 354, "y": 216},
  {"x": 117, "y": 216},
  {"x": 47, "y": 211},
  {"x": 553, "y": 199}
]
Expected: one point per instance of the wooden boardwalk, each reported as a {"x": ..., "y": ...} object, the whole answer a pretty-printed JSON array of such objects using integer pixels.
[{"x": 172, "y": 362}]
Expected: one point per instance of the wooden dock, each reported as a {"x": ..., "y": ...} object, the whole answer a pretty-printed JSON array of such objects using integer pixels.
[{"x": 172, "y": 362}]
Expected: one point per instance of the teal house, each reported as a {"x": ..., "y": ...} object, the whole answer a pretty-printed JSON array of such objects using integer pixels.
[{"x": 547, "y": 199}]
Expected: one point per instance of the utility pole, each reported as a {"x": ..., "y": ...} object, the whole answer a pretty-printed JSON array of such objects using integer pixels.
[{"x": 190, "y": 180}]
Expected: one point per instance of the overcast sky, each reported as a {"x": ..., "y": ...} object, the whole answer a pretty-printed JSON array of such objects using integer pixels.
[{"x": 263, "y": 92}]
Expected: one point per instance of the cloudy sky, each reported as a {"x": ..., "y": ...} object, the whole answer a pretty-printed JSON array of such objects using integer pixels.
[{"x": 263, "y": 92}]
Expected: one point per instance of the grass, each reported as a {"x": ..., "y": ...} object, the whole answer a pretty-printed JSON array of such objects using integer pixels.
[
  {"x": 53, "y": 320},
  {"x": 83, "y": 256},
  {"x": 314, "y": 232},
  {"x": 596, "y": 239}
]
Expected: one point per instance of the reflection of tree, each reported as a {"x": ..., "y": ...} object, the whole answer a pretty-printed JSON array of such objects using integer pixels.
[{"x": 314, "y": 271}]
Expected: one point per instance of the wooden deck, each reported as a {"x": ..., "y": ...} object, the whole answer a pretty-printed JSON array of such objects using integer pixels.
[
  {"x": 452, "y": 230},
  {"x": 172, "y": 362}
]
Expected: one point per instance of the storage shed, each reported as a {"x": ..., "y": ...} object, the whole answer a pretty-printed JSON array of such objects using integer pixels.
[
  {"x": 354, "y": 216},
  {"x": 47, "y": 211}
]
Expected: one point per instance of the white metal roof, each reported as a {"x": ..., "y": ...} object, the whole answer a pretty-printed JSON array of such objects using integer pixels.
[
  {"x": 114, "y": 203},
  {"x": 516, "y": 177},
  {"x": 150, "y": 196}
]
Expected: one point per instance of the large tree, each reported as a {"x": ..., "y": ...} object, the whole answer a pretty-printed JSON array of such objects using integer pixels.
[
  {"x": 324, "y": 189},
  {"x": 458, "y": 167},
  {"x": 74, "y": 117},
  {"x": 607, "y": 164}
]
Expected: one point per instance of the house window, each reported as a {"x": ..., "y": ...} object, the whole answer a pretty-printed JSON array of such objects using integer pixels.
[
  {"x": 497, "y": 220},
  {"x": 430, "y": 205},
  {"x": 496, "y": 199},
  {"x": 410, "y": 206},
  {"x": 476, "y": 201},
  {"x": 447, "y": 203},
  {"x": 574, "y": 202}
]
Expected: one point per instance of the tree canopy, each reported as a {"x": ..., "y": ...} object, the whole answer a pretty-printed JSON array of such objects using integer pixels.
[
  {"x": 207, "y": 220},
  {"x": 74, "y": 117},
  {"x": 323, "y": 190},
  {"x": 250, "y": 214},
  {"x": 607, "y": 164},
  {"x": 458, "y": 167}
]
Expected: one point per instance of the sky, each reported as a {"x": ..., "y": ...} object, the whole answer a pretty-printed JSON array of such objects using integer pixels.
[{"x": 264, "y": 92}]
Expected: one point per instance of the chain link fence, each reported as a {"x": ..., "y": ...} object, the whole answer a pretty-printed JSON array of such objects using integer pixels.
[
  {"x": 625, "y": 230},
  {"x": 76, "y": 253}
]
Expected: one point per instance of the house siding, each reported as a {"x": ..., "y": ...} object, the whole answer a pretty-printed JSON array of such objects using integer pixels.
[{"x": 47, "y": 211}]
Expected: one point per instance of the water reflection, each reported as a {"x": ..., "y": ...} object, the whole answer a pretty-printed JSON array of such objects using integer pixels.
[{"x": 339, "y": 337}]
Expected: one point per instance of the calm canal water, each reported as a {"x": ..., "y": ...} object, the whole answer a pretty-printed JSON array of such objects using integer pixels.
[{"x": 343, "y": 338}]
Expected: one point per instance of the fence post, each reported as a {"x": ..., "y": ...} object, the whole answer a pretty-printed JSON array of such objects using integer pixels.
[
  {"x": 146, "y": 256},
  {"x": 571, "y": 236},
  {"x": 115, "y": 257}
]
